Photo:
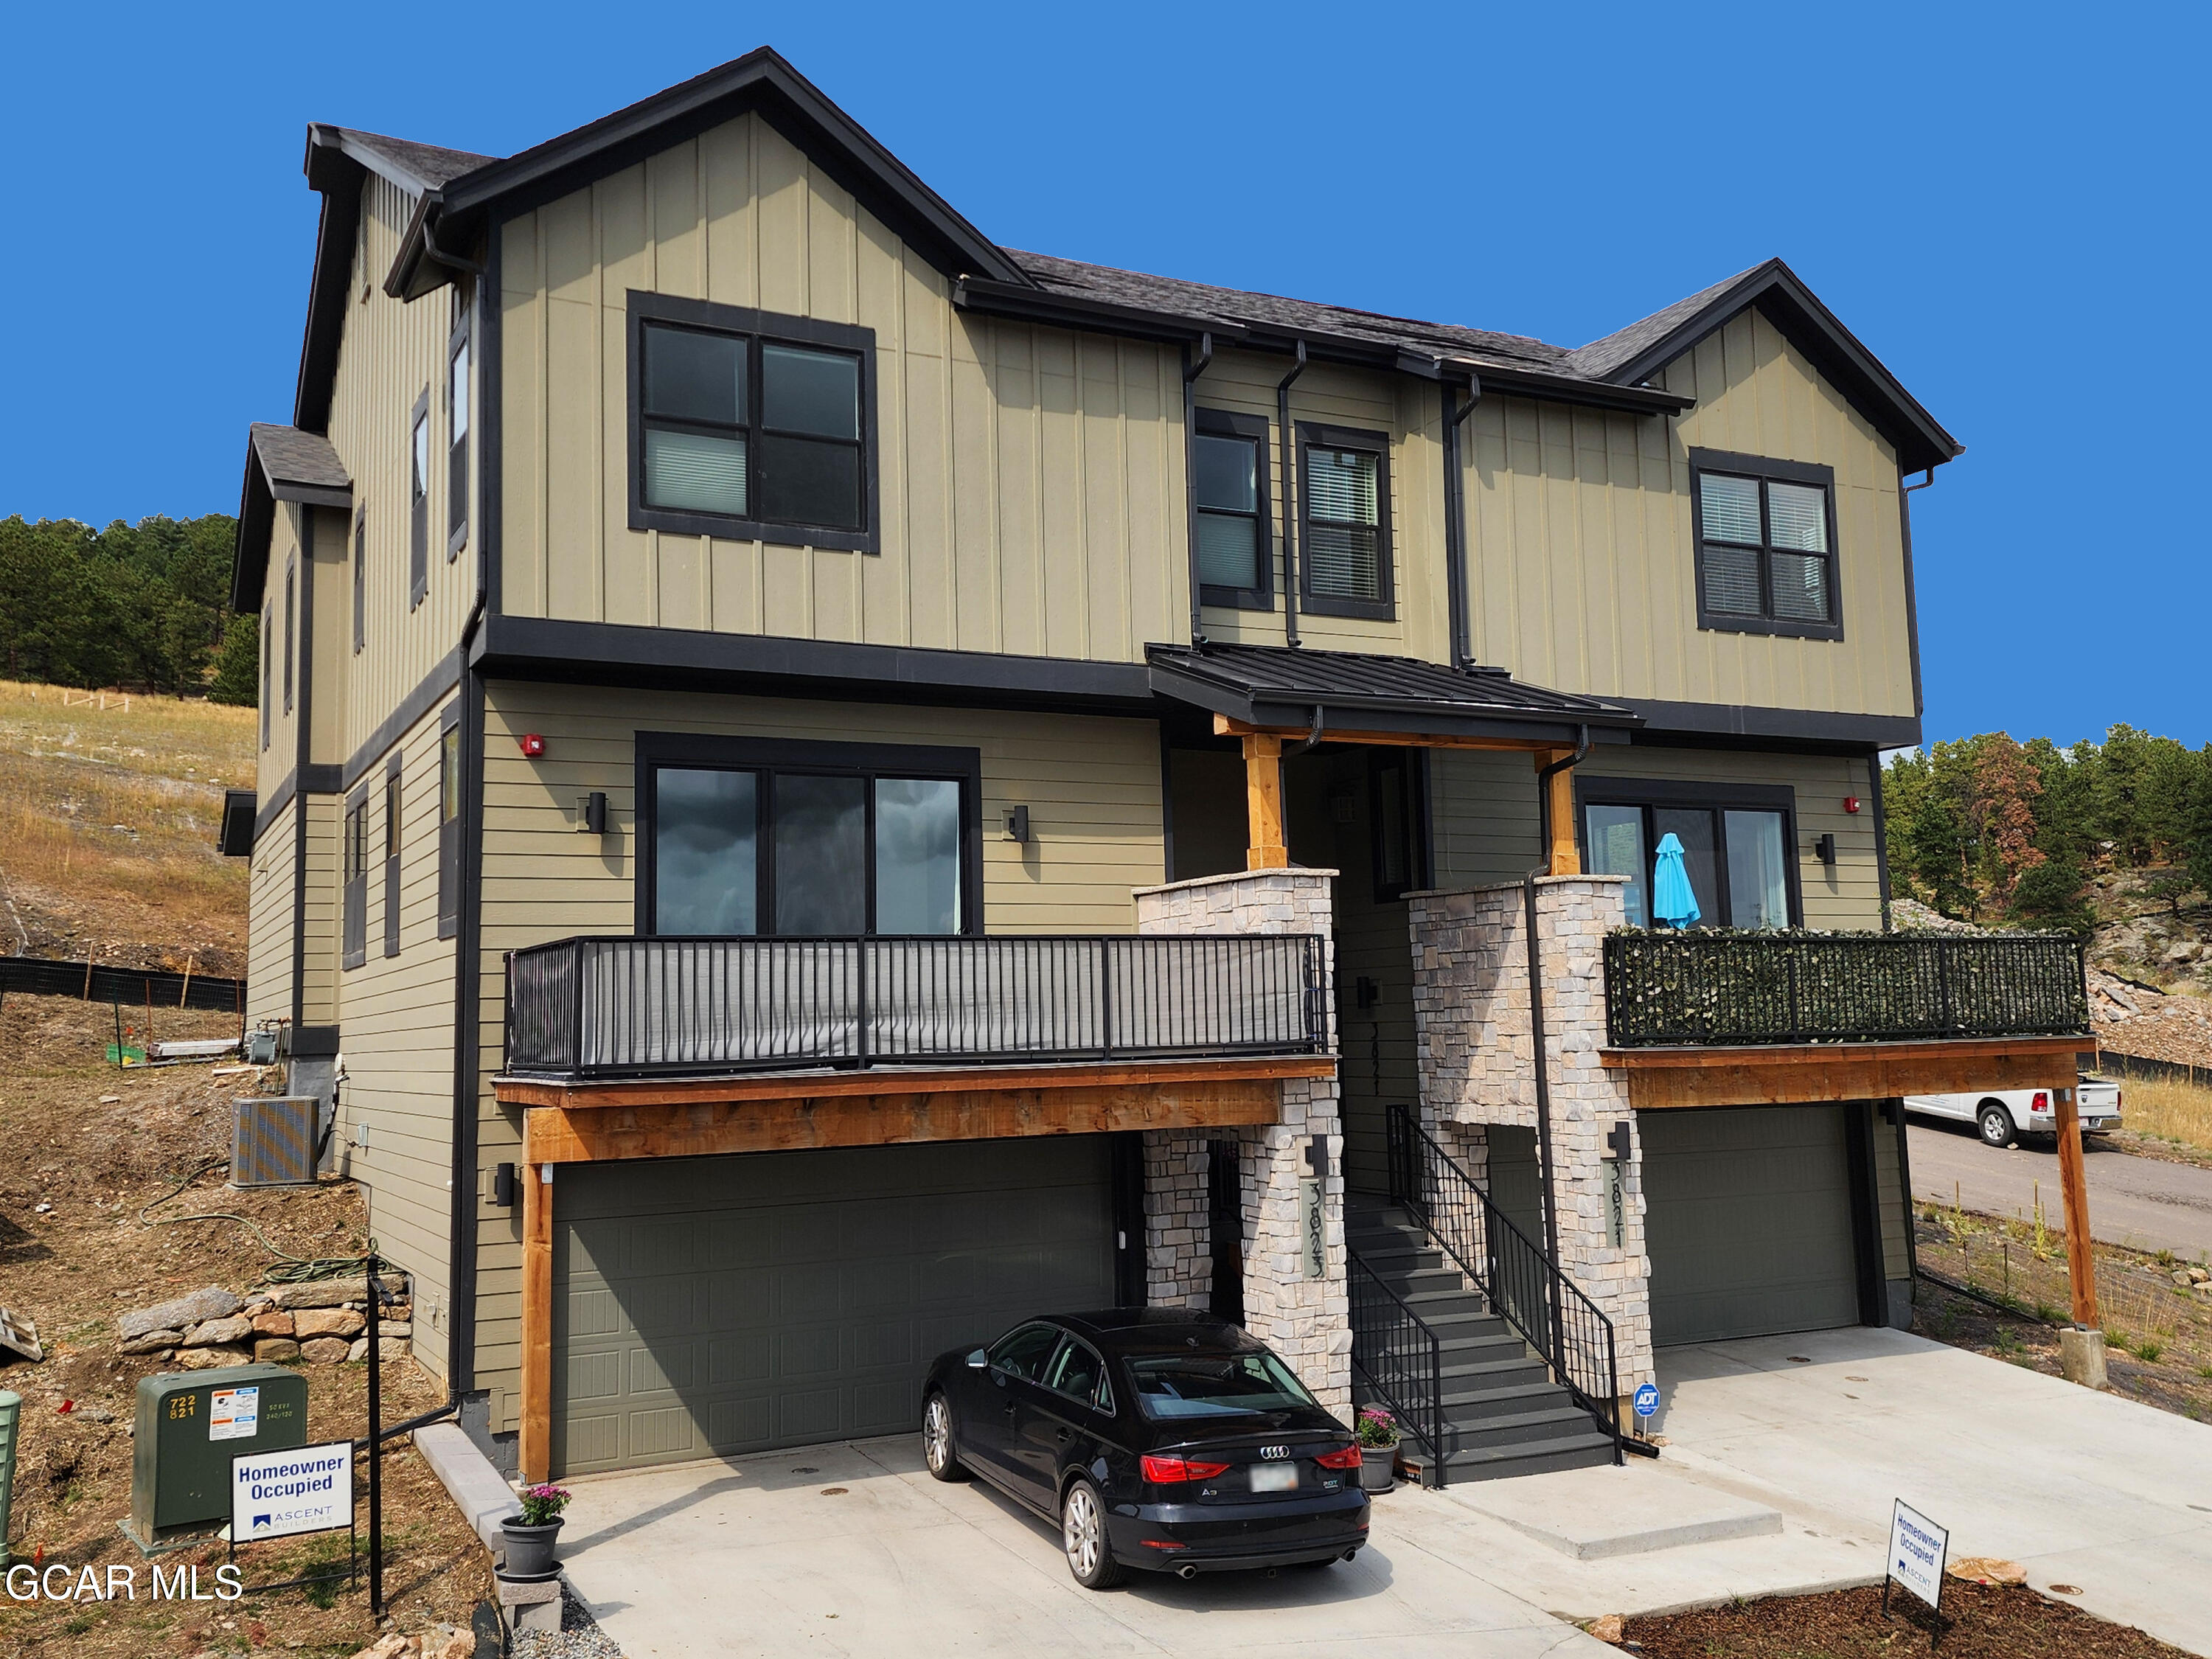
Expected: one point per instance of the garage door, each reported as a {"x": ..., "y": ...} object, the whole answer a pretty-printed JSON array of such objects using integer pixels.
[
  {"x": 1748, "y": 1223},
  {"x": 706, "y": 1306}
]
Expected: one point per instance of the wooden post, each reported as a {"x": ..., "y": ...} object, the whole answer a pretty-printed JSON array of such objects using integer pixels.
[
  {"x": 2080, "y": 1261},
  {"x": 1263, "y": 804},
  {"x": 536, "y": 1447},
  {"x": 1563, "y": 858}
]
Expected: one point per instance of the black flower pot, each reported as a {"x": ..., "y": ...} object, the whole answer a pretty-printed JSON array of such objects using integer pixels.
[{"x": 529, "y": 1549}]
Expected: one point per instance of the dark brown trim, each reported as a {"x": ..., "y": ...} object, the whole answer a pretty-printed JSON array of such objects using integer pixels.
[
  {"x": 755, "y": 327},
  {"x": 394, "y": 834},
  {"x": 534, "y": 649},
  {"x": 449, "y": 829},
  {"x": 418, "y": 506},
  {"x": 353, "y": 881},
  {"x": 1880, "y": 830},
  {"x": 1255, "y": 429},
  {"x": 657, "y": 750},
  {"x": 458, "y": 516},
  {"x": 1911, "y": 591},
  {"x": 1766, "y": 470},
  {"x": 441, "y": 679},
  {"x": 1384, "y": 607},
  {"x": 1834, "y": 732}
]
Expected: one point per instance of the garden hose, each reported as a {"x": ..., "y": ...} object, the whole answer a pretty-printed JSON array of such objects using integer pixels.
[{"x": 291, "y": 1269}]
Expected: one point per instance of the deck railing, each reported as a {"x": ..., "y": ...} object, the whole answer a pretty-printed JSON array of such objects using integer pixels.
[
  {"x": 1730, "y": 988},
  {"x": 637, "y": 1007}
]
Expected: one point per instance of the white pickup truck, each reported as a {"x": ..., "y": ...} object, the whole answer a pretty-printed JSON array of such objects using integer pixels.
[{"x": 2007, "y": 1115}]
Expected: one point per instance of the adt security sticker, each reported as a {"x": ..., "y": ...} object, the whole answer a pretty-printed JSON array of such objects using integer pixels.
[
  {"x": 234, "y": 1413},
  {"x": 281, "y": 1494},
  {"x": 1646, "y": 1400}
]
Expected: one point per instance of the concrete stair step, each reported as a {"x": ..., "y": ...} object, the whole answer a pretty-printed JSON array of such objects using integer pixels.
[
  {"x": 1585, "y": 1450},
  {"x": 1550, "y": 1423}
]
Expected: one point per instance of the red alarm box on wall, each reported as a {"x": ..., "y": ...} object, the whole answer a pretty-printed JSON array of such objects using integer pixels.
[{"x": 532, "y": 744}]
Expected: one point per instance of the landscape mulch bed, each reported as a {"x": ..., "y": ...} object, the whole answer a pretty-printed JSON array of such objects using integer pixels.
[
  {"x": 83, "y": 1148},
  {"x": 1979, "y": 1622}
]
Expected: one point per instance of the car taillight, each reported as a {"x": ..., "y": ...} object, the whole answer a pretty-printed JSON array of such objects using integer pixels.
[
  {"x": 1170, "y": 1469},
  {"x": 2040, "y": 1104},
  {"x": 1348, "y": 1458},
  {"x": 2117, "y": 1095}
]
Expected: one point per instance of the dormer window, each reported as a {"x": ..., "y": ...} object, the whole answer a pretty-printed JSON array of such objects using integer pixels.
[
  {"x": 1766, "y": 545},
  {"x": 749, "y": 426}
]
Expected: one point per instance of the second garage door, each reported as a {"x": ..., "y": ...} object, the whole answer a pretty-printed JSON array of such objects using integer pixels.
[
  {"x": 708, "y": 1306},
  {"x": 1748, "y": 1222}
]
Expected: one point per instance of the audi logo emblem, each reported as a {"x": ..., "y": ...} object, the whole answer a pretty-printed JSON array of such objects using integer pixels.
[{"x": 1275, "y": 1452}]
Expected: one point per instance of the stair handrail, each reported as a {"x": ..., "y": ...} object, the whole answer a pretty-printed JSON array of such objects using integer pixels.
[
  {"x": 1524, "y": 1285},
  {"x": 1415, "y": 1342}
]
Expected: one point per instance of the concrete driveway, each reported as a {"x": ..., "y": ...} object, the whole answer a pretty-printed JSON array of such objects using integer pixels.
[
  {"x": 2083, "y": 1489},
  {"x": 853, "y": 1549},
  {"x": 2141, "y": 1203}
]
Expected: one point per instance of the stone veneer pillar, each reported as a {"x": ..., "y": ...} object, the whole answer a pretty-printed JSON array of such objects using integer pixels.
[
  {"x": 1307, "y": 1321},
  {"x": 1476, "y": 1057}
]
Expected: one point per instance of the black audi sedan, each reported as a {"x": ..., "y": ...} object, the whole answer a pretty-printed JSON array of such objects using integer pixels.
[{"x": 1158, "y": 1437}]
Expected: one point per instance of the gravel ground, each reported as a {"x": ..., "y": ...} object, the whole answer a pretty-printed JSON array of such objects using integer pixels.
[{"x": 580, "y": 1637}]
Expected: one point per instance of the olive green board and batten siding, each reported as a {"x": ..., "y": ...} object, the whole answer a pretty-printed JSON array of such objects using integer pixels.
[
  {"x": 1030, "y": 479},
  {"x": 1091, "y": 784}
]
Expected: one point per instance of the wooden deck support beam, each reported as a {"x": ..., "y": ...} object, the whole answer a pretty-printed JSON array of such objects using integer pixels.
[
  {"x": 1786, "y": 1074},
  {"x": 2074, "y": 1187},
  {"x": 535, "y": 1440},
  {"x": 1563, "y": 855}
]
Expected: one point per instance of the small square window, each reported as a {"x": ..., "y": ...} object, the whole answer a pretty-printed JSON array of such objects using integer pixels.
[{"x": 1766, "y": 555}]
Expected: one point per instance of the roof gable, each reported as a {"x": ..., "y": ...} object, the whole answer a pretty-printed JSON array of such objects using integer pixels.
[
  {"x": 761, "y": 82},
  {"x": 283, "y": 464},
  {"x": 1635, "y": 353}
]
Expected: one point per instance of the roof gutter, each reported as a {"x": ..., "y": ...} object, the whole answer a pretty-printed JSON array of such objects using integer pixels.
[
  {"x": 1192, "y": 366},
  {"x": 1462, "y": 650},
  {"x": 1544, "y": 1151},
  {"x": 1290, "y": 500}
]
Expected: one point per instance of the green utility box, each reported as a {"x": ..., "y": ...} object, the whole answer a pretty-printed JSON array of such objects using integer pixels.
[{"x": 190, "y": 1425}]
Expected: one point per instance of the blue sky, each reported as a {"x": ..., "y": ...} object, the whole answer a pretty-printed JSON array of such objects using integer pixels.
[{"x": 2007, "y": 204}]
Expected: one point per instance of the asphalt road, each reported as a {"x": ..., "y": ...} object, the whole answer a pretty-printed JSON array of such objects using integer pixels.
[{"x": 2139, "y": 1202}]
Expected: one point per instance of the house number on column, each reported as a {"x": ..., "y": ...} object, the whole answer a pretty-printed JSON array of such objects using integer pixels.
[{"x": 1311, "y": 1229}]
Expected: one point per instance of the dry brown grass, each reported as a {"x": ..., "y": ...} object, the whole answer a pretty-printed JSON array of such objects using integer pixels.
[
  {"x": 2170, "y": 1108},
  {"x": 107, "y": 822}
]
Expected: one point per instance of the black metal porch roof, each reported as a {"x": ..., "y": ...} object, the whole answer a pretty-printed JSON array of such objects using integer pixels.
[{"x": 1273, "y": 685}]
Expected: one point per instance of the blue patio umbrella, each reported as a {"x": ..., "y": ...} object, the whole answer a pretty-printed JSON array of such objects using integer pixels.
[{"x": 1672, "y": 901}]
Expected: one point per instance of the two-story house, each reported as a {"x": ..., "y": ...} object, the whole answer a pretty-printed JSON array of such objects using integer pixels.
[{"x": 827, "y": 784}]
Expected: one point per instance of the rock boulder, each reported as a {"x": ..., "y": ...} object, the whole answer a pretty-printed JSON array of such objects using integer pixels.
[{"x": 180, "y": 1312}]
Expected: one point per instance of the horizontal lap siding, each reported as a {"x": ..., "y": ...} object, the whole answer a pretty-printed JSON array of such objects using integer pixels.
[
  {"x": 1092, "y": 786},
  {"x": 1582, "y": 569},
  {"x": 320, "y": 920},
  {"x": 1030, "y": 478},
  {"x": 399, "y": 1025},
  {"x": 1482, "y": 814},
  {"x": 269, "y": 920}
]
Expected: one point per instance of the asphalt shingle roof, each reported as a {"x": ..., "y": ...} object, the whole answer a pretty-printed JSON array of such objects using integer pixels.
[
  {"x": 430, "y": 165},
  {"x": 290, "y": 456}
]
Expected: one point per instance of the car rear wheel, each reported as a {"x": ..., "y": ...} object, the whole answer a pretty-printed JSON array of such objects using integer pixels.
[
  {"x": 1083, "y": 1533},
  {"x": 1998, "y": 1127},
  {"x": 937, "y": 1448}
]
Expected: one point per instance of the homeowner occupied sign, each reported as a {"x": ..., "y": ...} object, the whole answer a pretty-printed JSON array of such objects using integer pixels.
[{"x": 279, "y": 1494}]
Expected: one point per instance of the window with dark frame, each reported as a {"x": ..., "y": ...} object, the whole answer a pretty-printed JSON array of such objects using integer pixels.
[
  {"x": 360, "y": 578},
  {"x": 457, "y": 430},
  {"x": 1344, "y": 517},
  {"x": 392, "y": 833},
  {"x": 1394, "y": 812},
  {"x": 1229, "y": 488},
  {"x": 1766, "y": 545},
  {"x": 449, "y": 823},
  {"x": 1738, "y": 847},
  {"x": 268, "y": 665},
  {"x": 418, "y": 502},
  {"x": 760, "y": 838},
  {"x": 291, "y": 628},
  {"x": 751, "y": 425},
  {"x": 354, "y": 865}
]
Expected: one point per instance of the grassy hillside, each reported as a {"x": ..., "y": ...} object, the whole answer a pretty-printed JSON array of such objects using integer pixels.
[{"x": 107, "y": 826}]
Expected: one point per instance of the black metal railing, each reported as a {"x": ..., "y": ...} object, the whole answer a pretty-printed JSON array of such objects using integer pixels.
[
  {"x": 1747, "y": 988},
  {"x": 631, "y": 1007},
  {"x": 1400, "y": 1359},
  {"x": 1525, "y": 1287}
]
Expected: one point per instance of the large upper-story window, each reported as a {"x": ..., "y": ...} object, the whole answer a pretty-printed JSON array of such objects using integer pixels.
[
  {"x": 759, "y": 837},
  {"x": 1229, "y": 488},
  {"x": 1736, "y": 841},
  {"x": 748, "y": 425},
  {"x": 1766, "y": 545},
  {"x": 1344, "y": 497}
]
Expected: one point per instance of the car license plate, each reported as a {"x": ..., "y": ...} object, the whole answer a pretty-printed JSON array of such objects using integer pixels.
[{"x": 1274, "y": 1477}]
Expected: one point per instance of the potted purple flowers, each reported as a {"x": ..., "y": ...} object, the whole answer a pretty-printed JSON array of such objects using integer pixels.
[
  {"x": 531, "y": 1535},
  {"x": 1378, "y": 1449}
]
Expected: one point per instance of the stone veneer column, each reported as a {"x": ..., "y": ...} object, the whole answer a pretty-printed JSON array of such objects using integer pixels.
[
  {"x": 1307, "y": 1321},
  {"x": 1476, "y": 1057}
]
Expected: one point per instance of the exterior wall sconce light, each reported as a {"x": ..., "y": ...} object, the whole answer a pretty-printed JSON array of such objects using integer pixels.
[
  {"x": 1018, "y": 824},
  {"x": 592, "y": 813},
  {"x": 1826, "y": 847}
]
